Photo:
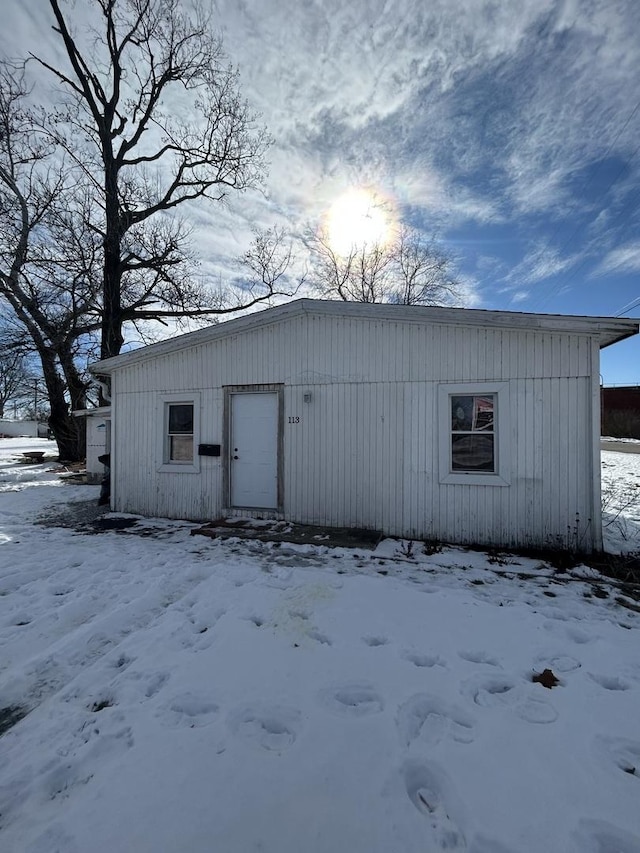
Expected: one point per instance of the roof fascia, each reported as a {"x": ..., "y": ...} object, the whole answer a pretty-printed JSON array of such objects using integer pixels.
[{"x": 609, "y": 330}]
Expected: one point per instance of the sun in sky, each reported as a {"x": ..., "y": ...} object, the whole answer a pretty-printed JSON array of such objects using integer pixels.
[{"x": 358, "y": 218}]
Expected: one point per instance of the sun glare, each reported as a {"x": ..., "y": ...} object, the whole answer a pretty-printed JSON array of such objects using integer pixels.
[{"x": 357, "y": 219}]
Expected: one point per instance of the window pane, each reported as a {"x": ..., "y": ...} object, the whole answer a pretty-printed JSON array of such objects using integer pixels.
[
  {"x": 483, "y": 413},
  {"x": 472, "y": 453},
  {"x": 181, "y": 448},
  {"x": 461, "y": 413},
  {"x": 469, "y": 414},
  {"x": 181, "y": 419}
]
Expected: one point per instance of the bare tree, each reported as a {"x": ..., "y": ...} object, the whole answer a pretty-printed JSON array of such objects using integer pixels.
[
  {"x": 154, "y": 120},
  {"x": 267, "y": 265},
  {"x": 24, "y": 199},
  {"x": 37, "y": 294},
  {"x": 406, "y": 270},
  {"x": 424, "y": 272},
  {"x": 13, "y": 379},
  {"x": 362, "y": 274}
]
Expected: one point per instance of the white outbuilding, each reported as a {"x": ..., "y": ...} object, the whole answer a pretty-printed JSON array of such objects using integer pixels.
[{"x": 456, "y": 425}]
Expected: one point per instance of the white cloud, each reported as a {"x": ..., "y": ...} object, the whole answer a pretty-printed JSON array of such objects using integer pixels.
[
  {"x": 540, "y": 263},
  {"x": 624, "y": 259},
  {"x": 467, "y": 113}
]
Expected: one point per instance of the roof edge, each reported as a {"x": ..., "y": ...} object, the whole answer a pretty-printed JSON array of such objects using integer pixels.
[{"x": 610, "y": 330}]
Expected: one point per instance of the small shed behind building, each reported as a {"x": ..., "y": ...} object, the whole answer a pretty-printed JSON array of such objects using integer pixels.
[
  {"x": 98, "y": 439},
  {"x": 457, "y": 425}
]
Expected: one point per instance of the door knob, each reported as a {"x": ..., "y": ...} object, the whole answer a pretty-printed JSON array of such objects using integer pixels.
[{"x": 235, "y": 457}]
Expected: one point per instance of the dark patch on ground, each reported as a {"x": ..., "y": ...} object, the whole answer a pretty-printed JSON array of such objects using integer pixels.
[
  {"x": 10, "y": 716},
  {"x": 555, "y": 557},
  {"x": 100, "y": 706},
  {"x": 625, "y": 568},
  {"x": 79, "y": 515},
  {"x": 628, "y": 604},
  {"x": 113, "y": 523},
  {"x": 89, "y": 517},
  {"x": 546, "y": 678},
  {"x": 283, "y": 531}
]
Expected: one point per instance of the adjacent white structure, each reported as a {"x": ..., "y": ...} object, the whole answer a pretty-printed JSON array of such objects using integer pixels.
[
  {"x": 12, "y": 429},
  {"x": 450, "y": 424},
  {"x": 98, "y": 439}
]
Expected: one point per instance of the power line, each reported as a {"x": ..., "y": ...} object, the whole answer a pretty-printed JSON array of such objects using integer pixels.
[{"x": 628, "y": 307}]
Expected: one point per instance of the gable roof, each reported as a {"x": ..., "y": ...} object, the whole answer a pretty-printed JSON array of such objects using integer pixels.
[{"x": 608, "y": 329}]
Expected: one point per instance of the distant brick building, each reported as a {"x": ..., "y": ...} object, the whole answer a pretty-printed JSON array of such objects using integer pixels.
[{"x": 621, "y": 411}]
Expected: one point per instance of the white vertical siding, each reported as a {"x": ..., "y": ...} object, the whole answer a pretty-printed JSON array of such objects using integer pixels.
[
  {"x": 365, "y": 451},
  {"x": 97, "y": 443}
]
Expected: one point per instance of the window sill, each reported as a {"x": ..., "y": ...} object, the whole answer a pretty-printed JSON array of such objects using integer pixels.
[{"x": 461, "y": 479}]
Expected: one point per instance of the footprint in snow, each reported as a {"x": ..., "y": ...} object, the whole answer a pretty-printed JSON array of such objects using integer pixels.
[
  {"x": 428, "y": 719},
  {"x": 497, "y": 690},
  {"x": 356, "y": 700},
  {"x": 579, "y": 635},
  {"x": 537, "y": 711},
  {"x": 598, "y": 836},
  {"x": 188, "y": 710},
  {"x": 155, "y": 683},
  {"x": 319, "y": 637},
  {"x": 623, "y": 753},
  {"x": 430, "y": 791},
  {"x": 478, "y": 657},
  {"x": 271, "y": 727},
  {"x": 375, "y": 641},
  {"x": 610, "y": 682},
  {"x": 97, "y": 746},
  {"x": 423, "y": 661},
  {"x": 489, "y": 691},
  {"x": 561, "y": 663},
  {"x": 201, "y": 628}
]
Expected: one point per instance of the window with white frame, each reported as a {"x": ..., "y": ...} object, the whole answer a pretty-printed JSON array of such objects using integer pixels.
[
  {"x": 179, "y": 421},
  {"x": 474, "y": 433}
]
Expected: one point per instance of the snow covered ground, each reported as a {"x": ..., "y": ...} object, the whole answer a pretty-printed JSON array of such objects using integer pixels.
[
  {"x": 187, "y": 696},
  {"x": 621, "y": 501}
]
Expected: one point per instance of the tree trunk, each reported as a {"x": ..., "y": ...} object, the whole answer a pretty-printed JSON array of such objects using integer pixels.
[
  {"x": 67, "y": 431},
  {"x": 111, "y": 328},
  {"x": 77, "y": 391}
]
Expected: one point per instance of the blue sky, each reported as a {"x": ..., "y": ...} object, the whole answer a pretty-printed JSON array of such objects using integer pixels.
[{"x": 509, "y": 129}]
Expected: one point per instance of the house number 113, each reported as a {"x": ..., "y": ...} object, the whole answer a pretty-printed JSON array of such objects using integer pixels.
[{"x": 294, "y": 419}]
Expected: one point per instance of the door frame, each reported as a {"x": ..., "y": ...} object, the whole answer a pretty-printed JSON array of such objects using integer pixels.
[{"x": 228, "y": 392}]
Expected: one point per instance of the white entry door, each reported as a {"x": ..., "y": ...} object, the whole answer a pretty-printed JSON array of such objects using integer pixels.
[{"x": 253, "y": 463}]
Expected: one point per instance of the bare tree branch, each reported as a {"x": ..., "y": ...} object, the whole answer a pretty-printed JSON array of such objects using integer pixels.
[
  {"x": 30, "y": 188},
  {"x": 407, "y": 270},
  {"x": 145, "y": 158}
]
